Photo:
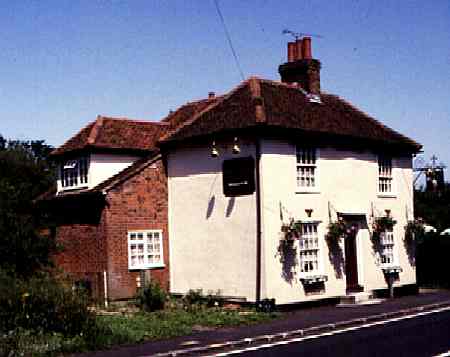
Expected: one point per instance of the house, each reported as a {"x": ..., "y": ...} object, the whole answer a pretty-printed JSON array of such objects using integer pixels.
[{"x": 204, "y": 198}]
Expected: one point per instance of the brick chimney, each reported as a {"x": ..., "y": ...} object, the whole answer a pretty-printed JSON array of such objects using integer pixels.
[{"x": 301, "y": 68}]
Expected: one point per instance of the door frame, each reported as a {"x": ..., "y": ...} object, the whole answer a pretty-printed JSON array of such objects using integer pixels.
[{"x": 360, "y": 221}]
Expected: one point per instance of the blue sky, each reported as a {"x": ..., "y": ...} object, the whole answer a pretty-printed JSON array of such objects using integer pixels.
[{"x": 64, "y": 62}]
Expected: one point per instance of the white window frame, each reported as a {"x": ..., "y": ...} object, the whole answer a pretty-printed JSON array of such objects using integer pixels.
[
  {"x": 74, "y": 173},
  {"x": 137, "y": 238},
  {"x": 308, "y": 164},
  {"x": 385, "y": 181},
  {"x": 310, "y": 243},
  {"x": 388, "y": 248}
]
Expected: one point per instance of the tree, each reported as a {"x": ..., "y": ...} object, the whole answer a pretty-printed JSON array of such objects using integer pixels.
[
  {"x": 433, "y": 207},
  {"x": 24, "y": 174}
]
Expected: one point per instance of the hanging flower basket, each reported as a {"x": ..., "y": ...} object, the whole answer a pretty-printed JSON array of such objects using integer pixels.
[
  {"x": 337, "y": 230},
  {"x": 291, "y": 230},
  {"x": 382, "y": 224}
]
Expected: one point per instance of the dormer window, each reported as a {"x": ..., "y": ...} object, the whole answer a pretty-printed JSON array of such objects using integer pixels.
[{"x": 74, "y": 173}]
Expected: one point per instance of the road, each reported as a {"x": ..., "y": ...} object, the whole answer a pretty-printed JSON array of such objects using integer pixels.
[{"x": 427, "y": 335}]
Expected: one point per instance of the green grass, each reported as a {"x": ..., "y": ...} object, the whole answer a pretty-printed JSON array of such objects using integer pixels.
[
  {"x": 120, "y": 329},
  {"x": 166, "y": 324}
]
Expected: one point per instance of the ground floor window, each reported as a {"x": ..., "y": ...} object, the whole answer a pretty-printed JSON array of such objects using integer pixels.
[
  {"x": 145, "y": 249},
  {"x": 309, "y": 248},
  {"x": 387, "y": 247}
]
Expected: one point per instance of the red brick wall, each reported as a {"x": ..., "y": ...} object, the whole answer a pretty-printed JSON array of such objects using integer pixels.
[
  {"x": 137, "y": 204},
  {"x": 97, "y": 240},
  {"x": 83, "y": 254}
]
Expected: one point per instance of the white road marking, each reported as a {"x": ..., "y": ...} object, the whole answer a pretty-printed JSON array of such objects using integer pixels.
[
  {"x": 331, "y": 333},
  {"x": 445, "y": 354}
]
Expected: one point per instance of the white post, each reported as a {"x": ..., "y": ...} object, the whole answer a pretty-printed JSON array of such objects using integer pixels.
[{"x": 105, "y": 287}]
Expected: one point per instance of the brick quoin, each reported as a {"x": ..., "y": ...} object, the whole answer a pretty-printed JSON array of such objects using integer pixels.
[{"x": 138, "y": 203}]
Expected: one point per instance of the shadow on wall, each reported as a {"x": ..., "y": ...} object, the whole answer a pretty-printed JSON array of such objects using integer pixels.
[
  {"x": 210, "y": 208},
  {"x": 287, "y": 254},
  {"x": 336, "y": 257},
  {"x": 230, "y": 206}
]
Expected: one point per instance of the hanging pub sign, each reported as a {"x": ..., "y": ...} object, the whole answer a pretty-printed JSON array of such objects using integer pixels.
[{"x": 238, "y": 176}]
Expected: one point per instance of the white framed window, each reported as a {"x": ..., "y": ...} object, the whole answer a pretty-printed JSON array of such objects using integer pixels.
[
  {"x": 306, "y": 168},
  {"x": 309, "y": 249},
  {"x": 385, "y": 175},
  {"x": 387, "y": 245},
  {"x": 74, "y": 173},
  {"x": 145, "y": 249}
]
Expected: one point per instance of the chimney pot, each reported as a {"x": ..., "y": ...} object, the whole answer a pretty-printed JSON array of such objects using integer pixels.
[
  {"x": 211, "y": 95},
  {"x": 292, "y": 51},
  {"x": 306, "y": 48},
  {"x": 299, "y": 50}
]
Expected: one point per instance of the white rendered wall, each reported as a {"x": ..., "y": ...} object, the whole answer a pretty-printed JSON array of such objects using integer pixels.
[
  {"x": 104, "y": 166},
  {"x": 347, "y": 181},
  {"x": 212, "y": 237}
]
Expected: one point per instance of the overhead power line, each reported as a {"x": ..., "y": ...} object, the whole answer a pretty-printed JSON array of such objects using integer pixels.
[{"x": 227, "y": 34}]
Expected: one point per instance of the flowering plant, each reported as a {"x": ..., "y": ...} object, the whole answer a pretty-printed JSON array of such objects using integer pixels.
[
  {"x": 291, "y": 230},
  {"x": 382, "y": 224},
  {"x": 336, "y": 230}
]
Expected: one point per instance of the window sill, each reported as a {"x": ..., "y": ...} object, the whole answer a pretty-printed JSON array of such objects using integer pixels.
[
  {"x": 387, "y": 195},
  {"x": 393, "y": 269},
  {"x": 159, "y": 266},
  {"x": 314, "y": 279},
  {"x": 312, "y": 191}
]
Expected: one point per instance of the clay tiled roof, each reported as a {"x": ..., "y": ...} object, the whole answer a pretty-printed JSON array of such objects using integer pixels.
[
  {"x": 257, "y": 102},
  {"x": 115, "y": 133}
]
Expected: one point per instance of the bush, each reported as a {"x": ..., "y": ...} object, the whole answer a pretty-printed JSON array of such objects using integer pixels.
[
  {"x": 194, "y": 297},
  {"x": 152, "y": 297},
  {"x": 42, "y": 304}
]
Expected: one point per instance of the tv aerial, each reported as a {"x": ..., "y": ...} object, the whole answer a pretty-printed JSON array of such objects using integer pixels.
[{"x": 298, "y": 35}]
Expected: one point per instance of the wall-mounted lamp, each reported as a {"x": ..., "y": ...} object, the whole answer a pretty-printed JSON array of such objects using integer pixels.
[
  {"x": 236, "y": 149},
  {"x": 309, "y": 212},
  {"x": 388, "y": 212},
  {"x": 214, "y": 151}
]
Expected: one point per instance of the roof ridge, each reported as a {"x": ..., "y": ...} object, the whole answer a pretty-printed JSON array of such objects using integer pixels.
[
  {"x": 92, "y": 137},
  {"x": 257, "y": 99},
  {"x": 59, "y": 148},
  {"x": 208, "y": 108},
  {"x": 173, "y": 112},
  {"x": 143, "y": 121}
]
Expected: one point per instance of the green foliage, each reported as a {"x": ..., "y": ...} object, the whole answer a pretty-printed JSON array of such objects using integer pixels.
[
  {"x": 24, "y": 175},
  {"x": 382, "y": 224},
  {"x": 42, "y": 304},
  {"x": 292, "y": 229},
  {"x": 336, "y": 230},
  {"x": 152, "y": 297},
  {"x": 433, "y": 207},
  {"x": 432, "y": 261},
  {"x": 414, "y": 230},
  {"x": 194, "y": 297}
]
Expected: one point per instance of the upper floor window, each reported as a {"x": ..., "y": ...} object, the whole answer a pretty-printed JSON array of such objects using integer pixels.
[
  {"x": 387, "y": 247},
  {"x": 74, "y": 173},
  {"x": 306, "y": 168},
  {"x": 309, "y": 248},
  {"x": 384, "y": 174},
  {"x": 145, "y": 249}
]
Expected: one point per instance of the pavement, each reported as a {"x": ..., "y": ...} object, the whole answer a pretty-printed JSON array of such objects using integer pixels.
[{"x": 300, "y": 322}]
